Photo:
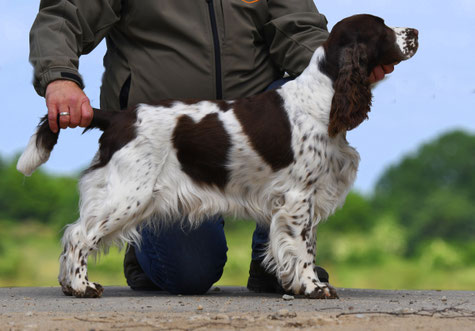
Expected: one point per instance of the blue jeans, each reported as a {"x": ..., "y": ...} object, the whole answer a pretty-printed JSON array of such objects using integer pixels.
[
  {"x": 189, "y": 261},
  {"x": 181, "y": 260}
]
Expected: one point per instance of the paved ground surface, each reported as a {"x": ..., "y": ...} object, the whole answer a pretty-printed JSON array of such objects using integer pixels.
[{"x": 230, "y": 308}]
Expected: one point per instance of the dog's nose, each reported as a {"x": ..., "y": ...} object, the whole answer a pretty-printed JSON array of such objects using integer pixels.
[{"x": 412, "y": 34}]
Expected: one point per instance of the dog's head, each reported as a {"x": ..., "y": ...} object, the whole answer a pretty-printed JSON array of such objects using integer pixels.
[{"x": 357, "y": 45}]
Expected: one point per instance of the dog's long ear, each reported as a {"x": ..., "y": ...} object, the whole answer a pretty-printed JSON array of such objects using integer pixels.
[{"x": 352, "y": 99}]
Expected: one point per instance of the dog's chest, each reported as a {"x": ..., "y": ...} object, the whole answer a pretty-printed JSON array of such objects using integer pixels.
[{"x": 325, "y": 168}]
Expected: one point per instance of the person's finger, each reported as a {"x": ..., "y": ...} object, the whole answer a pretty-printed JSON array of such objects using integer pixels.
[
  {"x": 86, "y": 114},
  {"x": 64, "y": 116},
  {"x": 74, "y": 111},
  {"x": 388, "y": 68},
  {"x": 53, "y": 117},
  {"x": 372, "y": 79},
  {"x": 378, "y": 73}
]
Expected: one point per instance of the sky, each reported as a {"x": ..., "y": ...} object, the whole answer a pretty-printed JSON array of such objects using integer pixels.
[{"x": 432, "y": 93}]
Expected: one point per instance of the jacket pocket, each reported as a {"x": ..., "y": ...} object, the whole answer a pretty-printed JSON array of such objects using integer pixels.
[{"x": 124, "y": 93}]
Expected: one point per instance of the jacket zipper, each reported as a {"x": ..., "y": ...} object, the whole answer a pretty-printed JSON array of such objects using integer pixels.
[{"x": 217, "y": 49}]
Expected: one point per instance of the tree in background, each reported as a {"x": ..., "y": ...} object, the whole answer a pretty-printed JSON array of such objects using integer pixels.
[
  {"x": 432, "y": 192},
  {"x": 41, "y": 197}
]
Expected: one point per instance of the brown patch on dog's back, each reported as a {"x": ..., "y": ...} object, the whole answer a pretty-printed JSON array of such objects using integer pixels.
[
  {"x": 265, "y": 121},
  {"x": 202, "y": 149}
]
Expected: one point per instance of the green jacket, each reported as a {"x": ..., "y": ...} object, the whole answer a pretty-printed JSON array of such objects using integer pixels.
[{"x": 208, "y": 49}]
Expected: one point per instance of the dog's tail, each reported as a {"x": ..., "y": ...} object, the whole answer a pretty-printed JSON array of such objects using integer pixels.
[{"x": 43, "y": 140}]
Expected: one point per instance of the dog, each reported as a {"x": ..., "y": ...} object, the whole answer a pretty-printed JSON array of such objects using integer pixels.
[{"x": 280, "y": 157}]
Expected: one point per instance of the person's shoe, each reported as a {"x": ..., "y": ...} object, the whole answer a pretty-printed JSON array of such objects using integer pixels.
[
  {"x": 261, "y": 281},
  {"x": 135, "y": 276},
  {"x": 322, "y": 274}
]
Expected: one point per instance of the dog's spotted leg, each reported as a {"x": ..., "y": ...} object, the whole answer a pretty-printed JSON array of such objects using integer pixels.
[
  {"x": 113, "y": 203},
  {"x": 291, "y": 251},
  {"x": 311, "y": 285},
  {"x": 73, "y": 264}
]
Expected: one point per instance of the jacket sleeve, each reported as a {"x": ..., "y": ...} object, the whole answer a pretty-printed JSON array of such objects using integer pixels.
[
  {"x": 63, "y": 30},
  {"x": 295, "y": 30}
]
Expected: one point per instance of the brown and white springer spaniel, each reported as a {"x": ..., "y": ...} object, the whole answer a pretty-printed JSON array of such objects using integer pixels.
[{"x": 280, "y": 157}]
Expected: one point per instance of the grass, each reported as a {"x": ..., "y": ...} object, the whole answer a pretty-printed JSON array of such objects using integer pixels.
[{"x": 29, "y": 257}]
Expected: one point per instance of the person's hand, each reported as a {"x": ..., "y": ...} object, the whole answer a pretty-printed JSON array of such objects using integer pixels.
[
  {"x": 66, "y": 98},
  {"x": 379, "y": 72}
]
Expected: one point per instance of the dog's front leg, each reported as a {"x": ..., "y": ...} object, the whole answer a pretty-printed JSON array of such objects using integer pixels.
[
  {"x": 292, "y": 245},
  {"x": 318, "y": 289}
]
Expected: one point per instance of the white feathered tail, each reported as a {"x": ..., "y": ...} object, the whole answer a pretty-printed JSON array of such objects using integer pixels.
[
  {"x": 43, "y": 140},
  {"x": 38, "y": 149}
]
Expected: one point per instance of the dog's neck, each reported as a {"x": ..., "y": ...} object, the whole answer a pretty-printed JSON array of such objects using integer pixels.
[{"x": 312, "y": 91}]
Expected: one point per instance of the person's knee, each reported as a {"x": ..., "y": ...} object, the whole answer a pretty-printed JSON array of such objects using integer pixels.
[
  {"x": 197, "y": 272},
  {"x": 184, "y": 276},
  {"x": 190, "y": 280},
  {"x": 186, "y": 262}
]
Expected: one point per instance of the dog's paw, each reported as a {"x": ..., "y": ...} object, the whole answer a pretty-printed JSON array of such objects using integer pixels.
[
  {"x": 322, "y": 291},
  {"x": 91, "y": 290},
  {"x": 67, "y": 290}
]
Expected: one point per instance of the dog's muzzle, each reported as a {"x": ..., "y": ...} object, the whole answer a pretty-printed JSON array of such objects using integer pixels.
[{"x": 407, "y": 41}]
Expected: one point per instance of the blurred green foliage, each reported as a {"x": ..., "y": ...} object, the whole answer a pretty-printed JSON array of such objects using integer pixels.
[
  {"x": 416, "y": 230},
  {"x": 432, "y": 192},
  {"x": 44, "y": 198}
]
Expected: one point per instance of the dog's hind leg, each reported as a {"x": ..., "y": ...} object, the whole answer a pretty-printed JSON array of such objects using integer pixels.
[
  {"x": 73, "y": 264},
  {"x": 113, "y": 203},
  {"x": 292, "y": 245}
]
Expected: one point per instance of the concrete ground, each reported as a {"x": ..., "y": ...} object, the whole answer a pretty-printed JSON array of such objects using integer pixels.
[{"x": 230, "y": 308}]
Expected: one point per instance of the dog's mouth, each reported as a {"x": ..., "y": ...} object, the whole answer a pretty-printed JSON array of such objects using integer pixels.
[{"x": 407, "y": 41}]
